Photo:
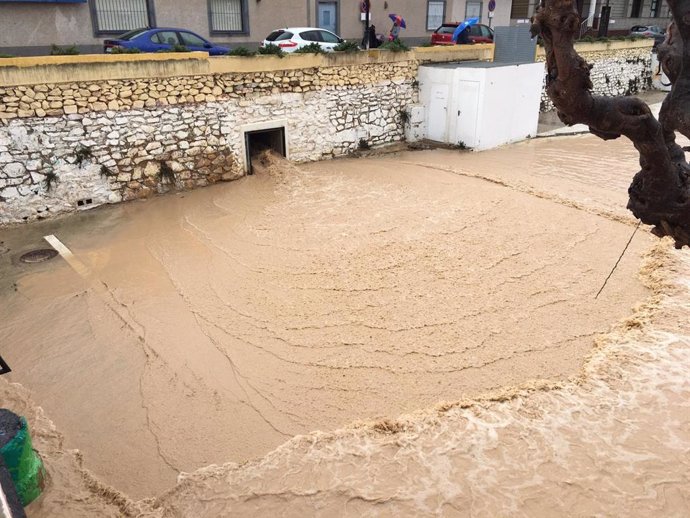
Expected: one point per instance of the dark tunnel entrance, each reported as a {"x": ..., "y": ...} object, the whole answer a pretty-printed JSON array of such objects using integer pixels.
[{"x": 261, "y": 140}]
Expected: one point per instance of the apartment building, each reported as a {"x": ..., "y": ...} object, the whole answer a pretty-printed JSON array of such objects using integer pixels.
[
  {"x": 32, "y": 26},
  {"x": 623, "y": 15}
]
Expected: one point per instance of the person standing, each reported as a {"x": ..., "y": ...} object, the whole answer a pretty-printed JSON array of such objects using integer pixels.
[
  {"x": 464, "y": 37},
  {"x": 395, "y": 31}
]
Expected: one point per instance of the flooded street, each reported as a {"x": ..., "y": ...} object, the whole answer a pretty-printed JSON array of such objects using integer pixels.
[{"x": 226, "y": 325}]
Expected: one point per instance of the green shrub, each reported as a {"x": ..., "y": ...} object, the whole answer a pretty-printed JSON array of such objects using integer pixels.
[
  {"x": 55, "y": 50},
  {"x": 272, "y": 50},
  {"x": 347, "y": 46},
  {"x": 124, "y": 50},
  {"x": 312, "y": 48},
  {"x": 175, "y": 48},
  {"x": 241, "y": 51},
  {"x": 6, "y": 56},
  {"x": 395, "y": 46}
]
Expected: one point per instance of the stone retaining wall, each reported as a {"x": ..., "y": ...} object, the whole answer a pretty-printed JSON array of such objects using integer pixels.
[
  {"x": 619, "y": 68},
  {"x": 71, "y": 145}
]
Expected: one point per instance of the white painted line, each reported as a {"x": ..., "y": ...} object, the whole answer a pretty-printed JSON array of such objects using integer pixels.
[{"x": 68, "y": 256}]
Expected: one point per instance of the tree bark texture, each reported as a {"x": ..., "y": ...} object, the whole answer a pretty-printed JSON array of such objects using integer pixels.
[{"x": 660, "y": 192}]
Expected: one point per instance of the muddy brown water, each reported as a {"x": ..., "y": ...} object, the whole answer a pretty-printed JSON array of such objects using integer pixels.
[{"x": 214, "y": 326}]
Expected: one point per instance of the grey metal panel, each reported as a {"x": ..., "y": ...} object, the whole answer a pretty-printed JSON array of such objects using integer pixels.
[{"x": 514, "y": 44}]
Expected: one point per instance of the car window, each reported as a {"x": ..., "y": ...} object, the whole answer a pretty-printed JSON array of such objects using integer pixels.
[
  {"x": 310, "y": 36},
  {"x": 279, "y": 36},
  {"x": 328, "y": 37},
  {"x": 486, "y": 31},
  {"x": 191, "y": 40},
  {"x": 475, "y": 30},
  {"x": 165, "y": 38},
  {"x": 446, "y": 29},
  {"x": 131, "y": 34}
]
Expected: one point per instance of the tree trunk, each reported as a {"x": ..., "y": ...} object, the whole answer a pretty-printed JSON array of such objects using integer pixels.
[{"x": 659, "y": 194}]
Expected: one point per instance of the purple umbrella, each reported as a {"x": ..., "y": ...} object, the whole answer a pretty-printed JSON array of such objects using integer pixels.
[{"x": 398, "y": 20}]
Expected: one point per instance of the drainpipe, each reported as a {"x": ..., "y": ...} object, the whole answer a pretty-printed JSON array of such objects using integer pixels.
[
  {"x": 592, "y": 10},
  {"x": 308, "y": 13}
]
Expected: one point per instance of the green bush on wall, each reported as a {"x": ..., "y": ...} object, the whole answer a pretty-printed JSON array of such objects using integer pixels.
[
  {"x": 56, "y": 50},
  {"x": 312, "y": 48},
  {"x": 347, "y": 46},
  {"x": 271, "y": 50},
  {"x": 395, "y": 46},
  {"x": 124, "y": 50},
  {"x": 241, "y": 51}
]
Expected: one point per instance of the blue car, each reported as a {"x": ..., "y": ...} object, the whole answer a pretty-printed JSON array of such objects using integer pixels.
[{"x": 163, "y": 39}]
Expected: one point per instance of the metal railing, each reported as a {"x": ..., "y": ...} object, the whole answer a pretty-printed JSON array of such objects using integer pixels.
[{"x": 584, "y": 28}]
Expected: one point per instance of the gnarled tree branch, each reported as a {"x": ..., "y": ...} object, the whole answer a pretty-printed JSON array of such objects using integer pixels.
[{"x": 659, "y": 193}]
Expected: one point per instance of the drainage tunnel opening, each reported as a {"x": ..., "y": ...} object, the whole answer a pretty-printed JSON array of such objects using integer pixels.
[{"x": 261, "y": 140}]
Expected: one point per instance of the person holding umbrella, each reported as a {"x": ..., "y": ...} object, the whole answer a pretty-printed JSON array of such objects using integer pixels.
[
  {"x": 398, "y": 23},
  {"x": 462, "y": 33}
]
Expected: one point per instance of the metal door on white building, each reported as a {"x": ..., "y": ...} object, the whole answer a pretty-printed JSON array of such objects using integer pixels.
[{"x": 438, "y": 113}]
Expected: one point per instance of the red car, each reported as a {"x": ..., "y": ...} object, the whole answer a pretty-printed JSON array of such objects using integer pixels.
[{"x": 478, "y": 34}]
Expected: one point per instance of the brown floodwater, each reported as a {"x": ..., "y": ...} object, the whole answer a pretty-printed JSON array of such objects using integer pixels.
[{"x": 265, "y": 318}]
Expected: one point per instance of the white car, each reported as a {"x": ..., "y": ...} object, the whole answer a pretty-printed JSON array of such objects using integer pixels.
[{"x": 292, "y": 38}]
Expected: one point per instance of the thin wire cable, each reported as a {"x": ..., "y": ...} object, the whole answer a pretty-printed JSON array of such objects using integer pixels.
[{"x": 619, "y": 260}]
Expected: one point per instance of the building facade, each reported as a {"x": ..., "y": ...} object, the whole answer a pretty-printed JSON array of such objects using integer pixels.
[
  {"x": 624, "y": 14},
  {"x": 32, "y": 26}
]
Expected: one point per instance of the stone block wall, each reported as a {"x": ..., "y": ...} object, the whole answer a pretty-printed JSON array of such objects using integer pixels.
[
  {"x": 69, "y": 145},
  {"x": 618, "y": 69}
]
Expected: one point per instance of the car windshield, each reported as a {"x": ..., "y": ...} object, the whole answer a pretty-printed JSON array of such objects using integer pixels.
[
  {"x": 279, "y": 36},
  {"x": 131, "y": 34},
  {"x": 446, "y": 29}
]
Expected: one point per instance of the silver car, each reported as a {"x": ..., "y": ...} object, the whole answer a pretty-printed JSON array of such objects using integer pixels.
[
  {"x": 292, "y": 38},
  {"x": 649, "y": 31}
]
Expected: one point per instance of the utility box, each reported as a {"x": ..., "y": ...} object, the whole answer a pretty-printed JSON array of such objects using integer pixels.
[{"x": 480, "y": 104}]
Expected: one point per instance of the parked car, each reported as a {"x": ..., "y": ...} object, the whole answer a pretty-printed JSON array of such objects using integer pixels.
[
  {"x": 649, "y": 31},
  {"x": 479, "y": 33},
  {"x": 162, "y": 39},
  {"x": 292, "y": 38}
]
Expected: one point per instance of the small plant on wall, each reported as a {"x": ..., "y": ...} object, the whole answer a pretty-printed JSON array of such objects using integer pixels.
[
  {"x": 50, "y": 180},
  {"x": 395, "y": 46},
  {"x": 124, "y": 50},
  {"x": 106, "y": 172},
  {"x": 241, "y": 51},
  {"x": 56, "y": 50},
  {"x": 82, "y": 153},
  {"x": 347, "y": 47},
  {"x": 312, "y": 48},
  {"x": 271, "y": 50}
]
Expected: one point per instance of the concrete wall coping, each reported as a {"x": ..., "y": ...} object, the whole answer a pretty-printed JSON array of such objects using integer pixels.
[
  {"x": 603, "y": 46},
  {"x": 100, "y": 67}
]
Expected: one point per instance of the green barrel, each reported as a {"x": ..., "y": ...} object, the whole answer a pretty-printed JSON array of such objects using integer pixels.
[{"x": 21, "y": 460}]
